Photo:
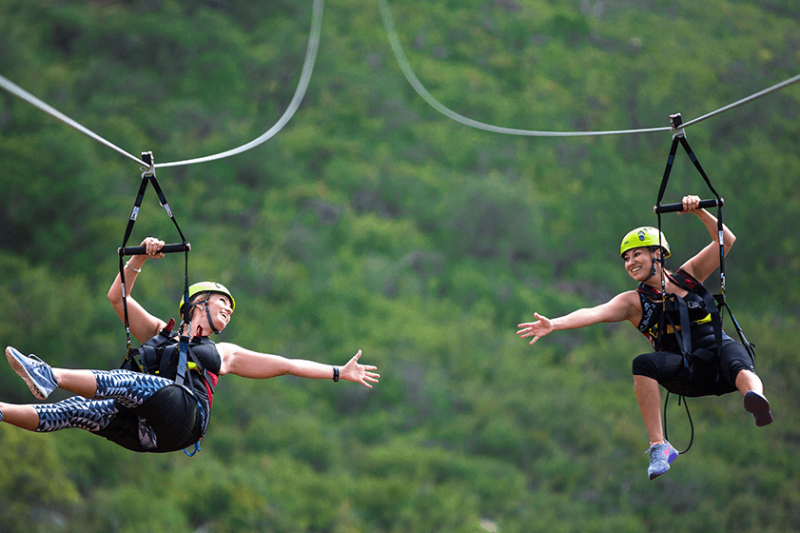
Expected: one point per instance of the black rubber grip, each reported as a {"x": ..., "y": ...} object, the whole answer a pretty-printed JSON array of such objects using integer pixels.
[
  {"x": 677, "y": 208},
  {"x": 166, "y": 249}
]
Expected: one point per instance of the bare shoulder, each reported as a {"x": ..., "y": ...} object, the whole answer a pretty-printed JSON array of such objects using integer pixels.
[
  {"x": 227, "y": 354},
  {"x": 226, "y": 347},
  {"x": 628, "y": 305},
  {"x": 627, "y": 298}
]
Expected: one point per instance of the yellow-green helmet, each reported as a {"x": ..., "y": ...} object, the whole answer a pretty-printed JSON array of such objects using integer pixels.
[
  {"x": 207, "y": 286},
  {"x": 644, "y": 236}
]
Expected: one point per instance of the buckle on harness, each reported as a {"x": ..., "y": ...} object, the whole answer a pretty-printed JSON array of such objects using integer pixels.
[{"x": 705, "y": 320}]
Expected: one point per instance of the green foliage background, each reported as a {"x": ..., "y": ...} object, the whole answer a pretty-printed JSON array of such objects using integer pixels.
[{"x": 372, "y": 222}]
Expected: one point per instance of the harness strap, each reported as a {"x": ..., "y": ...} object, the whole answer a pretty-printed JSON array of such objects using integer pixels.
[
  {"x": 712, "y": 306},
  {"x": 749, "y": 346},
  {"x": 662, "y": 189},
  {"x": 680, "y": 138},
  {"x": 149, "y": 175},
  {"x": 128, "y": 229},
  {"x": 153, "y": 363},
  {"x": 688, "y": 414}
]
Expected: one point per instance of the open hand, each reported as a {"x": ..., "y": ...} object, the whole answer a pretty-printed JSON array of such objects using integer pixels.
[
  {"x": 357, "y": 373},
  {"x": 537, "y": 329}
]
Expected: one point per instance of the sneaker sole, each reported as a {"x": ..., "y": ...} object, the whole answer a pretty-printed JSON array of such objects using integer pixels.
[
  {"x": 19, "y": 368},
  {"x": 758, "y": 406}
]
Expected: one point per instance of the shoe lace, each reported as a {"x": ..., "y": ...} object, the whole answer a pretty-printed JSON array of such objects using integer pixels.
[{"x": 653, "y": 447}]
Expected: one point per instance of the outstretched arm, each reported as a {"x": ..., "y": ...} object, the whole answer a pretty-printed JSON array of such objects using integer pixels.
[
  {"x": 707, "y": 260},
  {"x": 624, "y": 306},
  {"x": 143, "y": 325},
  {"x": 249, "y": 364}
]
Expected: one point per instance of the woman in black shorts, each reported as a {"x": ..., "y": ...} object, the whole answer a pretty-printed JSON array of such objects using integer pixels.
[
  {"x": 149, "y": 412},
  {"x": 705, "y": 369}
]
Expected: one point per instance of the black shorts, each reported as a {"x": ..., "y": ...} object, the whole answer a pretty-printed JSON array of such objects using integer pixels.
[
  {"x": 694, "y": 376},
  {"x": 172, "y": 413}
]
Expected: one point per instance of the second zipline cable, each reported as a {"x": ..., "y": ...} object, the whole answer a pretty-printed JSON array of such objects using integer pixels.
[{"x": 405, "y": 66}]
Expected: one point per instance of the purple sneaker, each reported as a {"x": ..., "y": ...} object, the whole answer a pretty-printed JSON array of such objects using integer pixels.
[
  {"x": 661, "y": 455},
  {"x": 759, "y": 406},
  {"x": 36, "y": 373}
]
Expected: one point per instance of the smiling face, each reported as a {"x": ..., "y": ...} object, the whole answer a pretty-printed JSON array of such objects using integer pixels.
[
  {"x": 639, "y": 262},
  {"x": 220, "y": 309}
]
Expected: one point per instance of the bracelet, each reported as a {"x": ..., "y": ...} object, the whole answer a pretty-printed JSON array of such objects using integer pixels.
[
  {"x": 335, "y": 374},
  {"x": 137, "y": 270}
]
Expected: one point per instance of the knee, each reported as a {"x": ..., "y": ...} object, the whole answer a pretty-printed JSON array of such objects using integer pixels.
[
  {"x": 739, "y": 369},
  {"x": 643, "y": 366},
  {"x": 747, "y": 375}
]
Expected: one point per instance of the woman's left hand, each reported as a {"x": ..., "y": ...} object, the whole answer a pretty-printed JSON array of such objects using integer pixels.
[{"x": 357, "y": 373}]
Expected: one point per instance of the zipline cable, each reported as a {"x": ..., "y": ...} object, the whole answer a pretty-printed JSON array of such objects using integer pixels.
[
  {"x": 743, "y": 101},
  {"x": 428, "y": 97},
  {"x": 399, "y": 55},
  {"x": 308, "y": 67},
  {"x": 18, "y": 91},
  {"x": 305, "y": 77}
]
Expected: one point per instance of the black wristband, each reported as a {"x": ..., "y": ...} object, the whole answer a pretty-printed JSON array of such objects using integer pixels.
[{"x": 335, "y": 374}]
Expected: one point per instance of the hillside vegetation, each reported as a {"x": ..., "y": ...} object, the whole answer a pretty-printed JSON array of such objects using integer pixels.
[{"x": 373, "y": 222}]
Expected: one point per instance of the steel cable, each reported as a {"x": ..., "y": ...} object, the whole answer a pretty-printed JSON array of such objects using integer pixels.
[
  {"x": 305, "y": 77},
  {"x": 302, "y": 86},
  {"x": 399, "y": 55},
  {"x": 18, "y": 91}
]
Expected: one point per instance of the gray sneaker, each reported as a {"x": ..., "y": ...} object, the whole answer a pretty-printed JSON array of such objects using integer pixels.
[
  {"x": 36, "y": 373},
  {"x": 661, "y": 455}
]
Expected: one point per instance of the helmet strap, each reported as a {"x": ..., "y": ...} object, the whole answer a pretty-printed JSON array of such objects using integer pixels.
[
  {"x": 652, "y": 270},
  {"x": 208, "y": 316}
]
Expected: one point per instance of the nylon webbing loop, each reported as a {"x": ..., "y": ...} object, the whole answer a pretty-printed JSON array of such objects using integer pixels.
[
  {"x": 680, "y": 138},
  {"x": 688, "y": 414},
  {"x": 714, "y": 307},
  {"x": 149, "y": 175}
]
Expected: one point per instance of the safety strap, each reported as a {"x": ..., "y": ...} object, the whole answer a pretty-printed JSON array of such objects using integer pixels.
[
  {"x": 679, "y": 137},
  {"x": 688, "y": 414},
  {"x": 750, "y": 347},
  {"x": 149, "y": 175},
  {"x": 684, "y": 337}
]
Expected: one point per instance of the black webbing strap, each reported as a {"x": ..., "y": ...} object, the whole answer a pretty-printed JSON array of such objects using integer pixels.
[
  {"x": 149, "y": 175},
  {"x": 688, "y": 414},
  {"x": 680, "y": 138},
  {"x": 684, "y": 337}
]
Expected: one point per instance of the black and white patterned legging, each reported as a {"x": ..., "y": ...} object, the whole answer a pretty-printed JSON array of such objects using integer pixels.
[{"x": 115, "y": 388}]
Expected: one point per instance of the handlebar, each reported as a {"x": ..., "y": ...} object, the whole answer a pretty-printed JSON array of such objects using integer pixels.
[
  {"x": 678, "y": 208},
  {"x": 166, "y": 249}
]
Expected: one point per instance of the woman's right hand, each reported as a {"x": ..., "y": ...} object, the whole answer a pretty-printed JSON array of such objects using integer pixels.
[
  {"x": 142, "y": 324},
  {"x": 538, "y": 329},
  {"x": 153, "y": 245}
]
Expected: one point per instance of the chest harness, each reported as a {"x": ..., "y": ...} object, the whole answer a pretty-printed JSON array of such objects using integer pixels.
[
  {"x": 665, "y": 315},
  {"x": 674, "y": 306}
]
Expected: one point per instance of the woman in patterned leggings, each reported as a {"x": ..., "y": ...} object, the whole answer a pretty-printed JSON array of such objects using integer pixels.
[{"x": 149, "y": 413}]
